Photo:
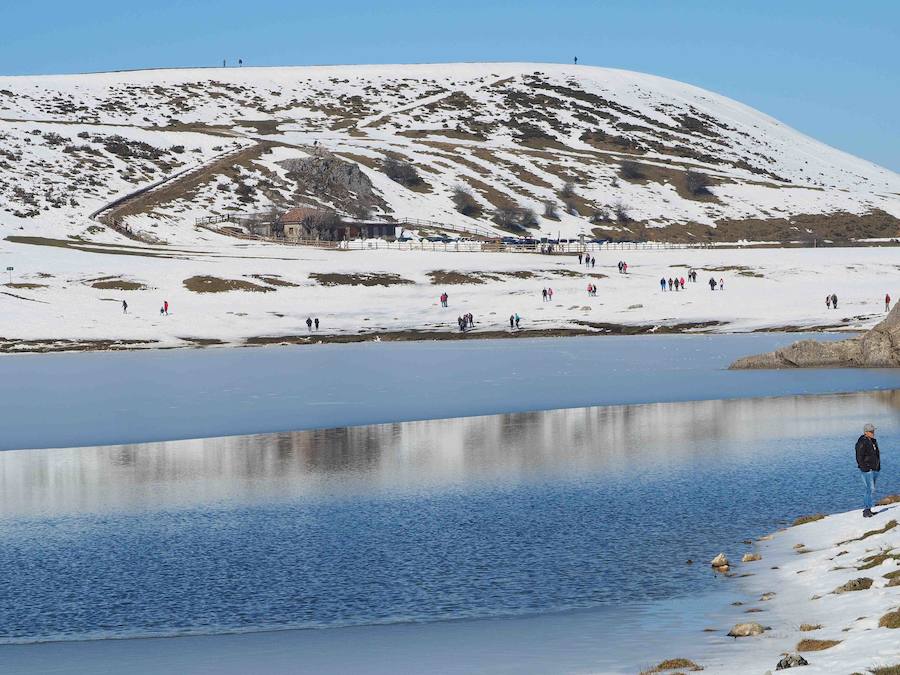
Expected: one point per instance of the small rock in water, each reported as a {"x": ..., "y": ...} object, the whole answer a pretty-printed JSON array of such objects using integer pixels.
[
  {"x": 746, "y": 630},
  {"x": 791, "y": 661},
  {"x": 751, "y": 557},
  {"x": 719, "y": 561},
  {"x": 861, "y": 584}
]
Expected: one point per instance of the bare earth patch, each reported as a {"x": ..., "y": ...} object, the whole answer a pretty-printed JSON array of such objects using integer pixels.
[
  {"x": 274, "y": 280},
  {"x": 25, "y": 286},
  {"x": 208, "y": 284}
]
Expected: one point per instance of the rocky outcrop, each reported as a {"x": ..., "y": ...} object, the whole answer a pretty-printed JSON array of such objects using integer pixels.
[
  {"x": 791, "y": 661},
  {"x": 878, "y": 348},
  {"x": 331, "y": 180}
]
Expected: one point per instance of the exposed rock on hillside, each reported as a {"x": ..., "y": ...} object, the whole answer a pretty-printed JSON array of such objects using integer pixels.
[
  {"x": 333, "y": 182},
  {"x": 879, "y": 348}
]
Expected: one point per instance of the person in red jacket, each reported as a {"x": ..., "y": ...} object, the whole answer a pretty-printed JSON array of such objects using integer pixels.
[{"x": 887, "y": 302}]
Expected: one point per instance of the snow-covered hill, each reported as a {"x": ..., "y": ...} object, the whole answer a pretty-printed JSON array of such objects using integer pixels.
[{"x": 587, "y": 149}]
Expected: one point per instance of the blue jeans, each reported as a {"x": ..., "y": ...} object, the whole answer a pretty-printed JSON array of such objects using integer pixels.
[{"x": 869, "y": 478}]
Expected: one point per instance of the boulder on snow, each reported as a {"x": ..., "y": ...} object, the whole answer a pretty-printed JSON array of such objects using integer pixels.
[
  {"x": 877, "y": 348},
  {"x": 751, "y": 557},
  {"x": 791, "y": 661},
  {"x": 746, "y": 630},
  {"x": 861, "y": 584},
  {"x": 719, "y": 561}
]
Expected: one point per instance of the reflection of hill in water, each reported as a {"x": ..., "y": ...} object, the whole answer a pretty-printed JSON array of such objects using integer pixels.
[{"x": 426, "y": 455}]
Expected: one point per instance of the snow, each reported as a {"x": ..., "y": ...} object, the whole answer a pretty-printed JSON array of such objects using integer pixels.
[
  {"x": 414, "y": 111},
  {"x": 764, "y": 289},
  {"x": 832, "y": 552}
]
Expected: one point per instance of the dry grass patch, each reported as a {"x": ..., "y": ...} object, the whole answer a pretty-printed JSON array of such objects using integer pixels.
[
  {"x": 806, "y": 627},
  {"x": 370, "y": 279},
  {"x": 886, "y": 670},
  {"x": 119, "y": 285},
  {"x": 453, "y": 278},
  {"x": 811, "y": 645},
  {"x": 208, "y": 284},
  {"x": 877, "y": 559},
  {"x": 673, "y": 664},
  {"x": 890, "y": 499},
  {"x": 890, "y": 620},
  {"x": 803, "y": 520},
  {"x": 871, "y": 533}
]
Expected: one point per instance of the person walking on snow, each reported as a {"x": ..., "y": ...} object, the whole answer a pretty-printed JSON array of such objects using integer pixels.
[
  {"x": 712, "y": 284},
  {"x": 517, "y": 320},
  {"x": 308, "y": 324},
  {"x": 550, "y": 294},
  {"x": 624, "y": 266},
  {"x": 124, "y": 307},
  {"x": 544, "y": 294},
  {"x": 868, "y": 459},
  {"x": 828, "y": 301},
  {"x": 512, "y": 321},
  {"x": 887, "y": 302},
  {"x": 682, "y": 283},
  {"x": 662, "y": 284},
  {"x": 834, "y": 300},
  {"x": 579, "y": 258},
  {"x": 317, "y": 323},
  {"x": 166, "y": 307},
  {"x": 594, "y": 264},
  {"x": 721, "y": 284}
]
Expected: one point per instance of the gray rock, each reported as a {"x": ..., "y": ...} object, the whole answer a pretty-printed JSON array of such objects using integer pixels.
[
  {"x": 861, "y": 584},
  {"x": 791, "y": 661},
  {"x": 878, "y": 348},
  {"x": 719, "y": 561},
  {"x": 746, "y": 630}
]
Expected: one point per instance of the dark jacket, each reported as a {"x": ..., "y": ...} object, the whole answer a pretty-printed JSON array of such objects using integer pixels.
[{"x": 867, "y": 456}]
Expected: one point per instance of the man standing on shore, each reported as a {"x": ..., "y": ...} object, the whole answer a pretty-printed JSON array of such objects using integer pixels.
[{"x": 868, "y": 459}]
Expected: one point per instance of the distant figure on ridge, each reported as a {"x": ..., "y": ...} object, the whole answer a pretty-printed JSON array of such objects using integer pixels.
[{"x": 887, "y": 302}]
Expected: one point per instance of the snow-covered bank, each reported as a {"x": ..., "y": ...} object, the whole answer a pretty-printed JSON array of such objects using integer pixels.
[
  {"x": 223, "y": 294},
  {"x": 793, "y": 592}
]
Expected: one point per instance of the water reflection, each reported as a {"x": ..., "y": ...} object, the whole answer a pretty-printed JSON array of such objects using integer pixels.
[{"x": 430, "y": 455}]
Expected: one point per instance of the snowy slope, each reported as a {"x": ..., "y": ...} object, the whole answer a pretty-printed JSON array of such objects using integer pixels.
[{"x": 516, "y": 132}]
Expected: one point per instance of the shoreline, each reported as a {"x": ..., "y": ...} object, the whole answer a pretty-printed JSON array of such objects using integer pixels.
[
  {"x": 826, "y": 588},
  {"x": 9, "y": 347}
]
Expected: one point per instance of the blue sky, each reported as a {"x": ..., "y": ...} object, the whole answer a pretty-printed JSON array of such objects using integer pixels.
[{"x": 828, "y": 68}]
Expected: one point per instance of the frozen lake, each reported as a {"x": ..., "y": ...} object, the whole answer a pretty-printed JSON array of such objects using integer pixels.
[
  {"x": 64, "y": 400},
  {"x": 525, "y": 542}
]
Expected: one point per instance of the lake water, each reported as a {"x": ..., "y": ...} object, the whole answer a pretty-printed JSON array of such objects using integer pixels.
[
  {"x": 579, "y": 522},
  {"x": 65, "y": 400}
]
